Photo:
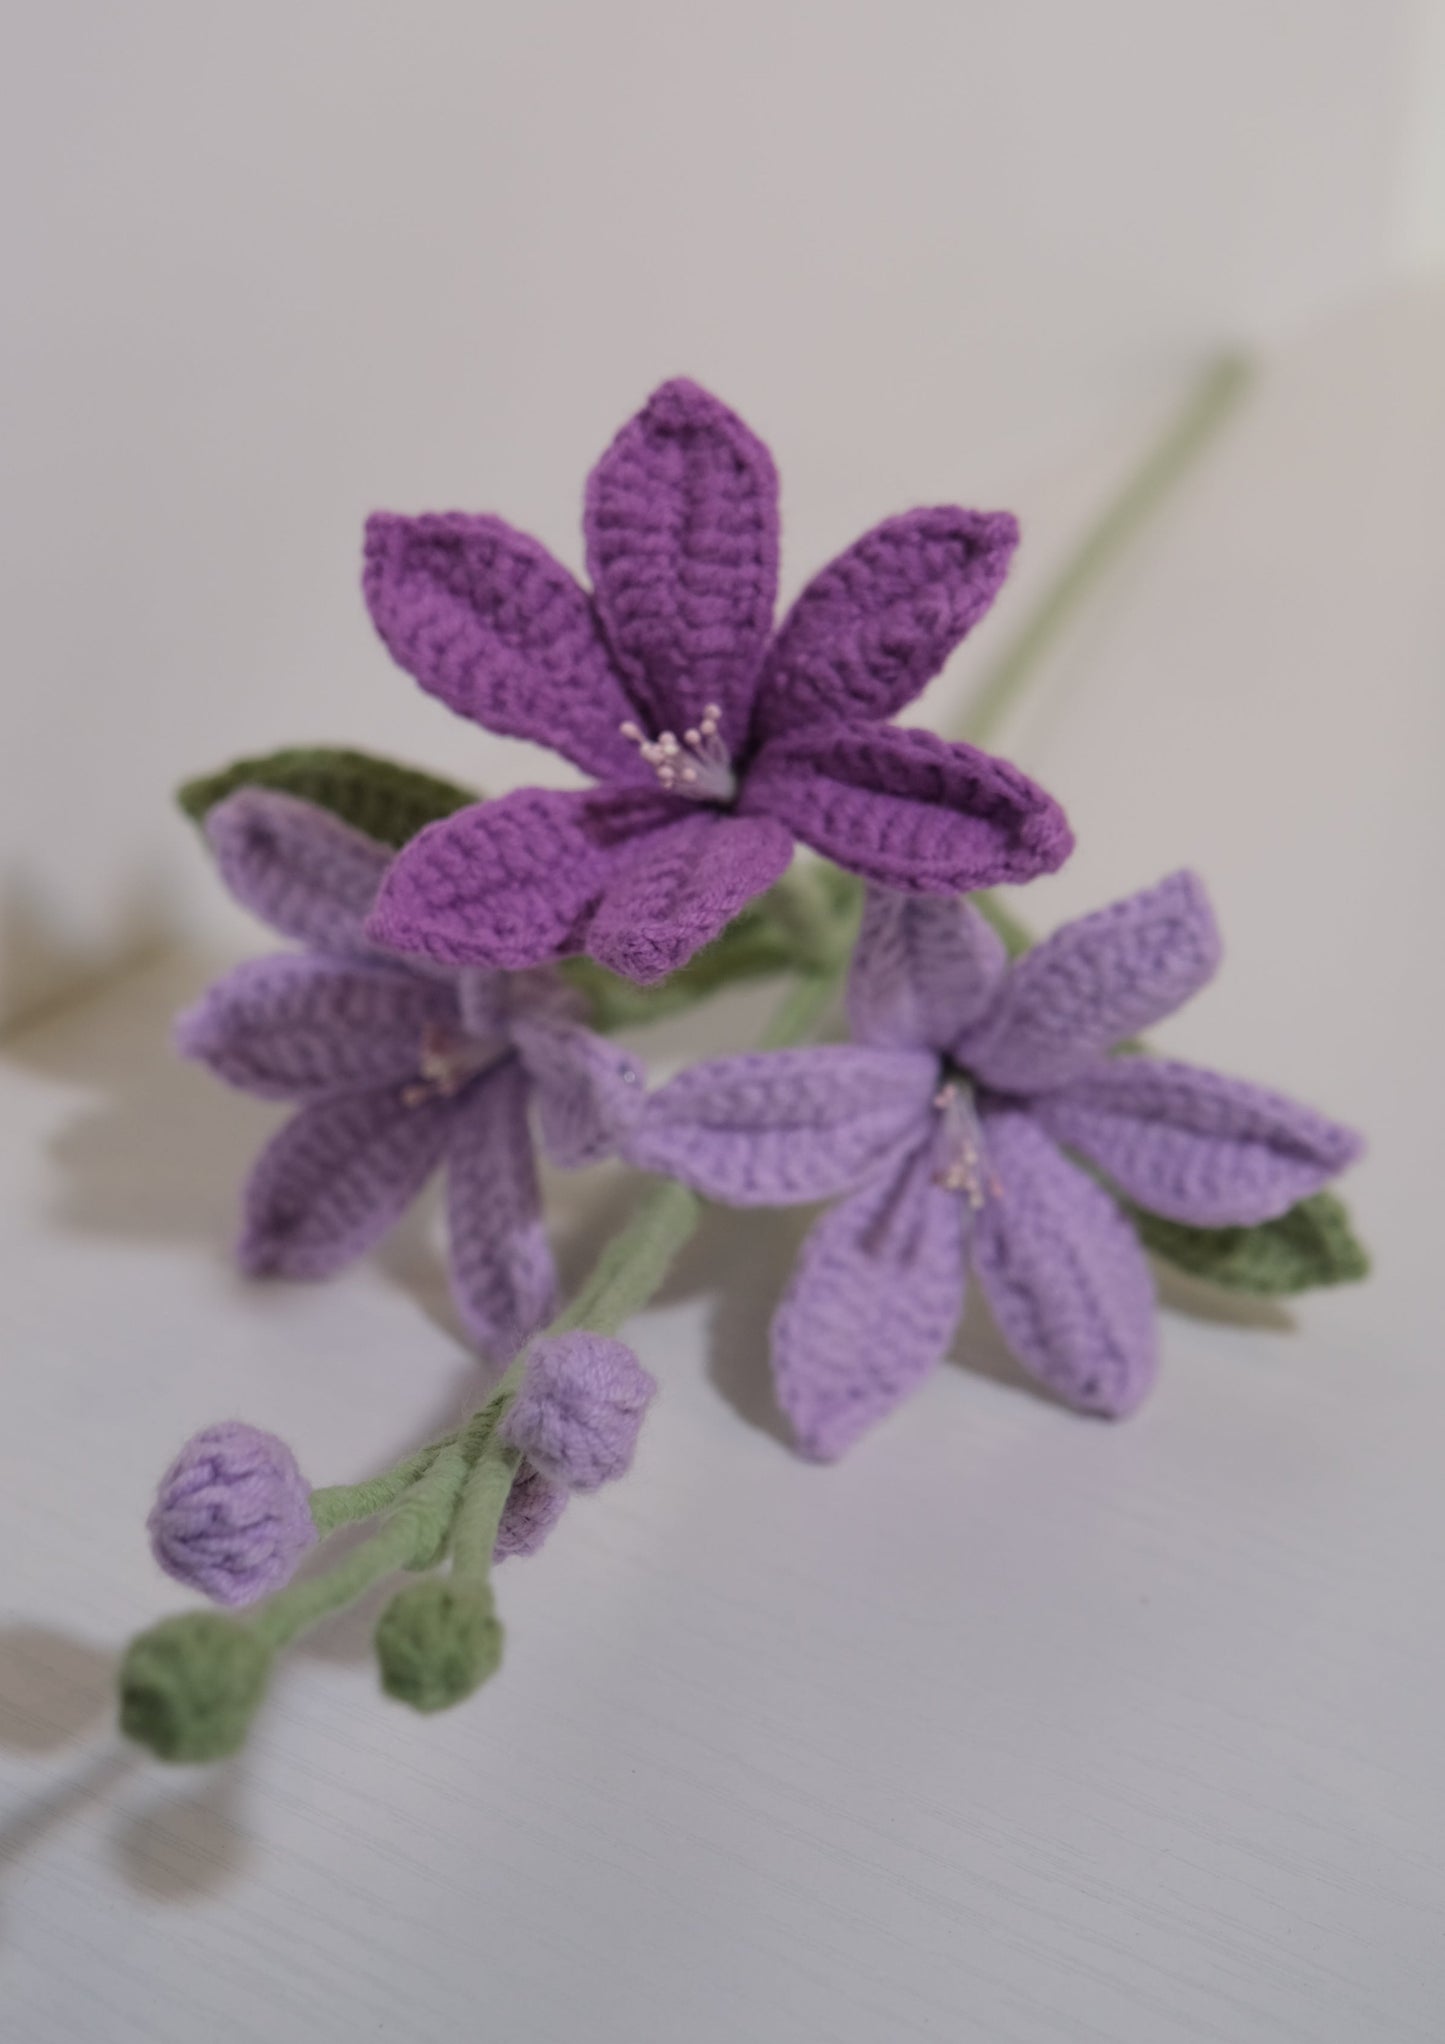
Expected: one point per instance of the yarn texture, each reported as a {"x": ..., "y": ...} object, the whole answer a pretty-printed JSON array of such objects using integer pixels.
[
  {"x": 948, "y": 1132},
  {"x": 580, "y": 1409},
  {"x": 395, "y": 1071},
  {"x": 232, "y": 1516},
  {"x": 190, "y": 1687},
  {"x": 715, "y": 741},
  {"x": 437, "y": 1642}
]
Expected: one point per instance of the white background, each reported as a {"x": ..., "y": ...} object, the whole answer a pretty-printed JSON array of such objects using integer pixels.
[{"x": 1013, "y": 1728}]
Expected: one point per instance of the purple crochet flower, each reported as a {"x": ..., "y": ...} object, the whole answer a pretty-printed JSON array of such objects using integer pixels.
[
  {"x": 716, "y": 740},
  {"x": 232, "y": 1515},
  {"x": 396, "y": 1069},
  {"x": 946, "y": 1127},
  {"x": 580, "y": 1409}
]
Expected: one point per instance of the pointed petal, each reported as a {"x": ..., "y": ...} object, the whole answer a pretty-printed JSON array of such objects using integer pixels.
[
  {"x": 307, "y": 874},
  {"x": 338, "y": 1176},
  {"x": 871, "y": 1308},
  {"x": 295, "y": 1027},
  {"x": 1063, "y": 1272},
  {"x": 908, "y": 810},
  {"x": 682, "y": 548},
  {"x": 870, "y": 632},
  {"x": 778, "y": 1128},
  {"x": 680, "y": 887},
  {"x": 924, "y": 967},
  {"x": 1195, "y": 1146},
  {"x": 488, "y": 621},
  {"x": 509, "y": 883},
  {"x": 1092, "y": 984},
  {"x": 589, "y": 1093},
  {"x": 503, "y": 1278}
]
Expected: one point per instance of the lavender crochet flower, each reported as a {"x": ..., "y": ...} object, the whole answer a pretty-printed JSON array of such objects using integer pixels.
[
  {"x": 232, "y": 1515},
  {"x": 716, "y": 741},
  {"x": 580, "y": 1409},
  {"x": 395, "y": 1070},
  {"x": 946, "y": 1128}
]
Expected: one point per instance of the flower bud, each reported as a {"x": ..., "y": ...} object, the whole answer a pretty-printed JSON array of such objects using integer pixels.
[
  {"x": 532, "y": 1509},
  {"x": 437, "y": 1641},
  {"x": 232, "y": 1516},
  {"x": 190, "y": 1687},
  {"x": 580, "y": 1409}
]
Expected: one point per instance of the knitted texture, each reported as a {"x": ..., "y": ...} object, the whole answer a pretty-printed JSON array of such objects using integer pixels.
[
  {"x": 232, "y": 1515},
  {"x": 385, "y": 801},
  {"x": 395, "y": 1071},
  {"x": 715, "y": 743},
  {"x": 532, "y": 1509},
  {"x": 437, "y": 1642},
  {"x": 580, "y": 1409},
  {"x": 190, "y": 1687},
  {"x": 1313, "y": 1244},
  {"x": 948, "y": 1126}
]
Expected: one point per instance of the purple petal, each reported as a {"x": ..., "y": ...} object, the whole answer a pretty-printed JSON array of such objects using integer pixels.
[
  {"x": 300, "y": 869},
  {"x": 924, "y": 967},
  {"x": 1093, "y": 983},
  {"x": 777, "y": 1128},
  {"x": 872, "y": 630},
  {"x": 1193, "y": 1145},
  {"x": 487, "y": 620},
  {"x": 337, "y": 1177},
  {"x": 908, "y": 810},
  {"x": 871, "y": 1307},
  {"x": 1063, "y": 1272},
  {"x": 532, "y": 1509},
  {"x": 503, "y": 1279},
  {"x": 294, "y": 1027},
  {"x": 589, "y": 1093},
  {"x": 680, "y": 887},
  {"x": 509, "y": 883},
  {"x": 682, "y": 547}
]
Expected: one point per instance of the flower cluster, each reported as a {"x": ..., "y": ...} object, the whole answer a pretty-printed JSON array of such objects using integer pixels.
[{"x": 445, "y": 995}]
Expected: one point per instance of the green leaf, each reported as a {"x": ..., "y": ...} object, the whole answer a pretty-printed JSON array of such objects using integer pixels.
[
  {"x": 388, "y": 802},
  {"x": 1313, "y": 1244}
]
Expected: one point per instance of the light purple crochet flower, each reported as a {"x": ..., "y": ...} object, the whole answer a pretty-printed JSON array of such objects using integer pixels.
[
  {"x": 716, "y": 740},
  {"x": 232, "y": 1515},
  {"x": 395, "y": 1069},
  {"x": 580, "y": 1409},
  {"x": 946, "y": 1126}
]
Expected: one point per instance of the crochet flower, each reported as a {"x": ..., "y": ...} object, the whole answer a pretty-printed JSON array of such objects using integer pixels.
[
  {"x": 232, "y": 1515},
  {"x": 949, "y": 1128},
  {"x": 580, "y": 1409},
  {"x": 395, "y": 1069},
  {"x": 716, "y": 741}
]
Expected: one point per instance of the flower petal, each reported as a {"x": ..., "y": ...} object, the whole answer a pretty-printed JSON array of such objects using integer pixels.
[
  {"x": 1195, "y": 1146},
  {"x": 1092, "y": 984},
  {"x": 589, "y": 1093},
  {"x": 924, "y": 967},
  {"x": 307, "y": 874},
  {"x": 1063, "y": 1272},
  {"x": 509, "y": 883},
  {"x": 336, "y": 1178},
  {"x": 871, "y": 1307},
  {"x": 680, "y": 887},
  {"x": 503, "y": 1279},
  {"x": 297, "y": 1027},
  {"x": 682, "y": 547},
  {"x": 872, "y": 630},
  {"x": 488, "y": 621},
  {"x": 907, "y": 809},
  {"x": 777, "y": 1128}
]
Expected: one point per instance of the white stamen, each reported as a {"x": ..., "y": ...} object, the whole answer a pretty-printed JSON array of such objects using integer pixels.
[
  {"x": 963, "y": 1161},
  {"x": 449, "y": 1060},
  {"x": 696, "y": 765}
]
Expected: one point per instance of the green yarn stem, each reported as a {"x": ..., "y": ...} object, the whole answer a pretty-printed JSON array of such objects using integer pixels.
[
  {"x": 479, "y": 1515},
  {"x": 1210, "y": 403},
  {"x": 634, "y": 1263},
  {"x": 341, "y": 1504}
]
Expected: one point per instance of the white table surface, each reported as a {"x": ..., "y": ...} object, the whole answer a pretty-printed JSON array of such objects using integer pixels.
[{"x": 1014, "y": 1727}]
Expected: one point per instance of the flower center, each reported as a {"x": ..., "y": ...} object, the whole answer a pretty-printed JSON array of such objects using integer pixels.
[
  {"x": 696, "y": 765},
  {"x": 449, "y": 1060},
  {"x": 962, "y": 1158}
]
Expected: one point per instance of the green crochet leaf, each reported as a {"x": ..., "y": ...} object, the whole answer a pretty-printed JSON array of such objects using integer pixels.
[
  {"x": 1313, "y": 1244},
  {"x": 389, "y": 802}
]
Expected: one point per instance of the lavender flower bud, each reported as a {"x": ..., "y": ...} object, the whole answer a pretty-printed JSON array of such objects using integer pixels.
[
  {"x": 532, "y": 1509},
  {"x": 579, "y": 1411},
  {"x": 232, "y": 1515}
]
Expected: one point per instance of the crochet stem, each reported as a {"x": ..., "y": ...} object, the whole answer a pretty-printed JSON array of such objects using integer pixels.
[
  {"x": 1214, "y": 397},
  {"x": 474, "y": 1530},
  {"x": 341, "y": 1504}
]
